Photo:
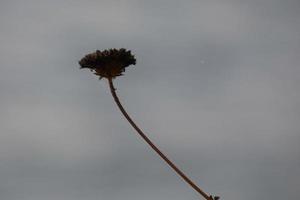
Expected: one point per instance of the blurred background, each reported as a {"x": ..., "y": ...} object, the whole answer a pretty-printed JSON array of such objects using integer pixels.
[{"x": 216, "y": 87}]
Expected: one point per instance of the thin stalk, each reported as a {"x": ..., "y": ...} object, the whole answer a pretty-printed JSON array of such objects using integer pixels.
[{"x": 151, "y": 144}]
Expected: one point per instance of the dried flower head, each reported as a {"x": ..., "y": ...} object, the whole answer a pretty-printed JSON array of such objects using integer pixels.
[{"x": 108, "y": 63}]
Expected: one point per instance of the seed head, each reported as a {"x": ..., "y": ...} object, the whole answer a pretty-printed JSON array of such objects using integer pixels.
[{"x": 108, "y": 63}]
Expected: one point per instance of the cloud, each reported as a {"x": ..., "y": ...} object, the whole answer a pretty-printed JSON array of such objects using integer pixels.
[{"x": 215, "y": 86}]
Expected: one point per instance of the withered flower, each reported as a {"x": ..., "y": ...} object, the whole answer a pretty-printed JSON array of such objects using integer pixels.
[
  {"x": 112, "y": 63},
  {"x": 108, "y": 63}
]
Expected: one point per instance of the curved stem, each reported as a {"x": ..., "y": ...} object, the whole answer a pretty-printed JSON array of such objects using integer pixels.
[{"x": 150, "y": 143}]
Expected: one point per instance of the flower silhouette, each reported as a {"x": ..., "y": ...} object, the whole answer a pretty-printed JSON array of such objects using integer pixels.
[
  {"x": 112, "y": 63},
  {"x": 108, "y": 63}
]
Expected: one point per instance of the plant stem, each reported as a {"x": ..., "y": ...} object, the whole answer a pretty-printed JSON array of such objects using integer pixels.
[{"x": 151, "y": 144}]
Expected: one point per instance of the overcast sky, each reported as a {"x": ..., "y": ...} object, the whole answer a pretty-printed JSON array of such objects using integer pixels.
[{"x": 216, "y": 87}]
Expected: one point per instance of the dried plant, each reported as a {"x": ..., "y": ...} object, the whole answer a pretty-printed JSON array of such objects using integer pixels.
[{"x": 112, "y": 63}]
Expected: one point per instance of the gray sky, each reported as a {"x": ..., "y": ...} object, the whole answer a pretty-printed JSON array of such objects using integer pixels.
[{"x": 216, "y": 86}]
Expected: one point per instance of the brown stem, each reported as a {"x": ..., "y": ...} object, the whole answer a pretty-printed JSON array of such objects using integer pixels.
[{"x": 150, "y": 143}]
